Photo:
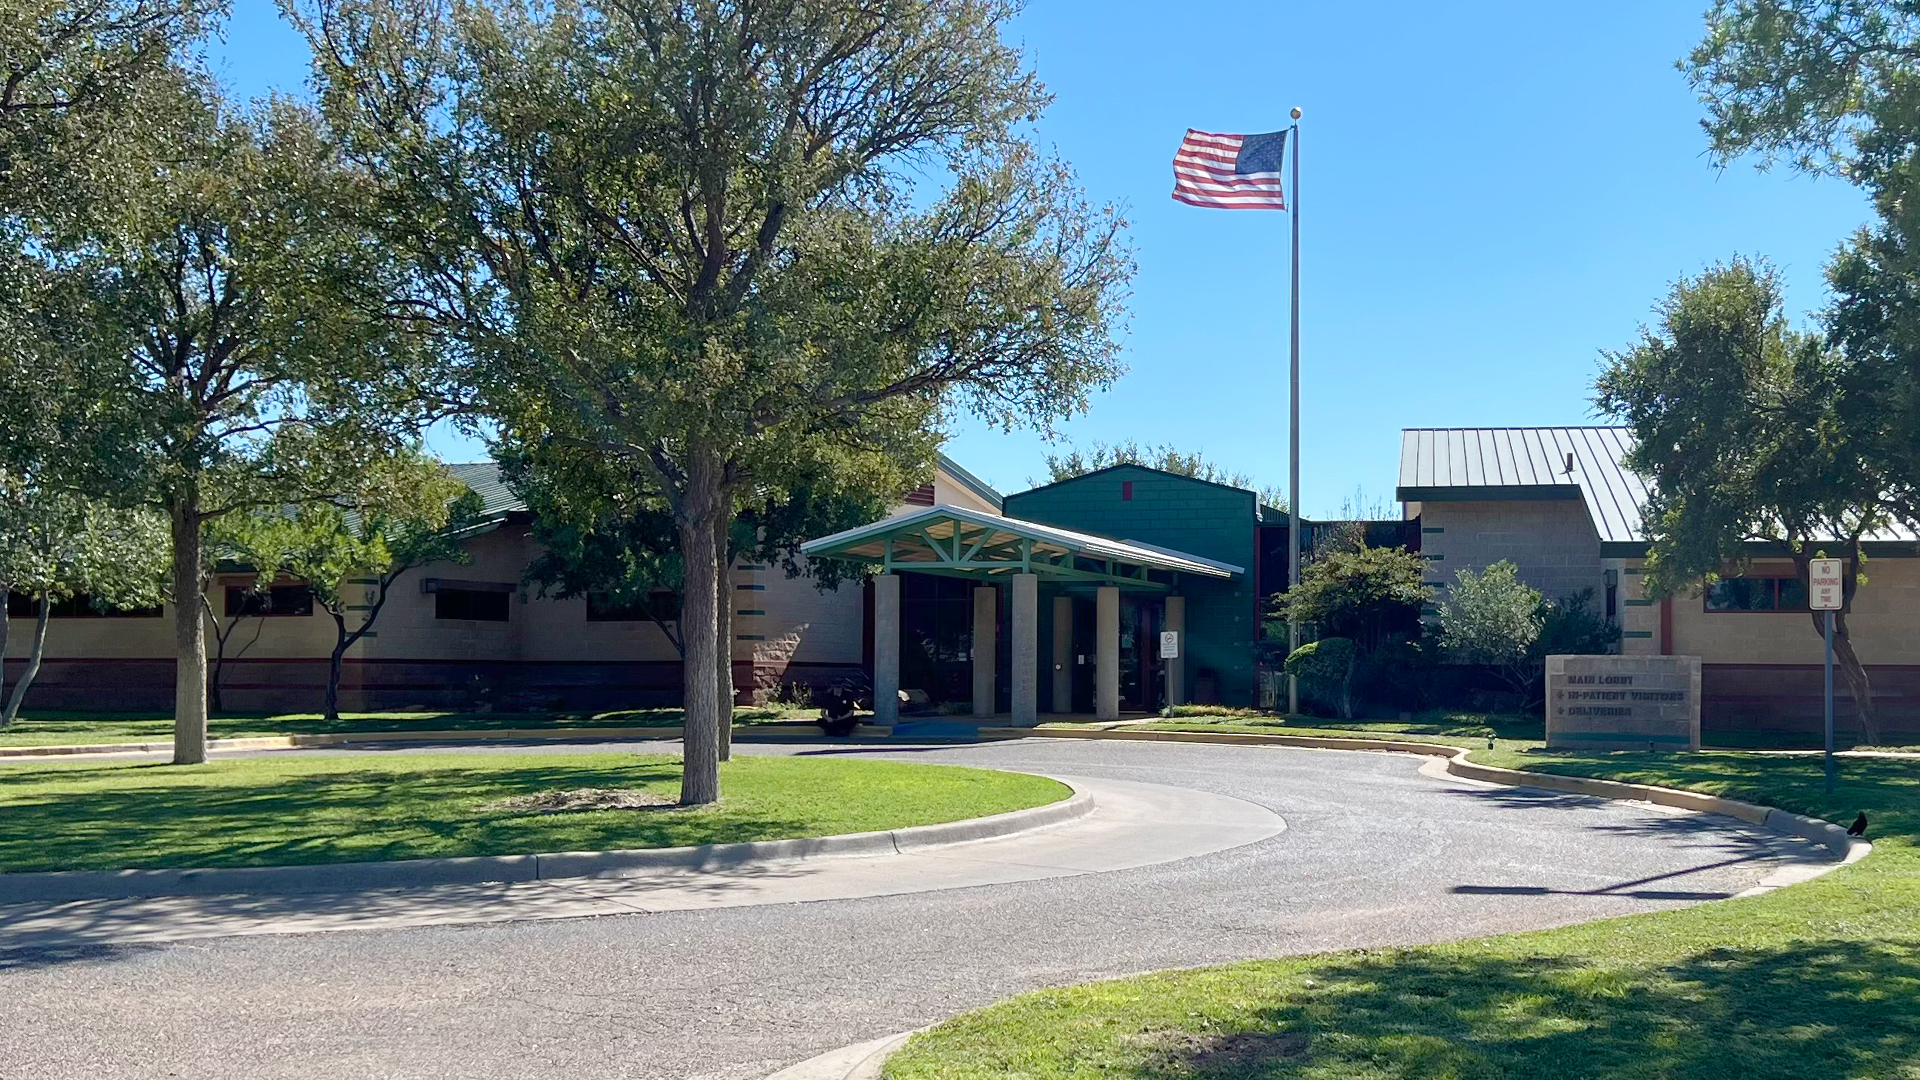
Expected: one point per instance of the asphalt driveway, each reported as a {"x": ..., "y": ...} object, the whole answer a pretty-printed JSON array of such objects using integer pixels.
[{"x": 1374, "y": 853}]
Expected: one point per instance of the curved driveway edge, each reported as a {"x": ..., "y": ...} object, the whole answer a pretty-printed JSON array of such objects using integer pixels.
[
  {"x": 1845, "y": 848},
  {"x": 861, "y": 1061},
  {"x": 66, "y": 885}
]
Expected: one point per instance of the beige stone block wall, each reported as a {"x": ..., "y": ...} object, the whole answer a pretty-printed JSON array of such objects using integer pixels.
[
  {"x": 1639, "y": 617},
  {"x": 408, "y": 630},
  {"x": 1884, "y": 622},
  {"x": 1553, "y": 543}
]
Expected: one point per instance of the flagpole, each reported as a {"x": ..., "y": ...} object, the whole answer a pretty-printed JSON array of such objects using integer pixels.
[{"x": 1293, "y": 433}]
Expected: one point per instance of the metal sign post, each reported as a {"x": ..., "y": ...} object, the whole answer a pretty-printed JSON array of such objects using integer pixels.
[{"x": 1826, "y": 591}]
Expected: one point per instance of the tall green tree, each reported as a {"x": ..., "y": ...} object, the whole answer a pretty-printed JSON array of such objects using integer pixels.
[
  {"x": 1832, "y": 87},
  {"x": 1166, "y": 457},
  {"x": 57, "y": 546},
  {"x": 1751, "y": 434},
  {"x": 707, "y": 239},
  {"x": 225, "y": 365},
  {"x": 399, "y": 514}
]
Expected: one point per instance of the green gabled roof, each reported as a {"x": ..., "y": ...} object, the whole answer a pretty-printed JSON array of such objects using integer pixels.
[
  {"x": 484, "y": 478},
  {"x": 956, "y": 541}
]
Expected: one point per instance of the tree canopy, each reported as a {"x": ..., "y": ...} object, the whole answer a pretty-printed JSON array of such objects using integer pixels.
[
  {"x": 1757, "y": 440},
  {"x": 706, "y": 240},
  {"x": 1166, "y": 457}
]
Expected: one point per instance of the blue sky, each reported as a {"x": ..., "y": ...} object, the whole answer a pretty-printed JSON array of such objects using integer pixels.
[{"x": 1492, "y": 193}]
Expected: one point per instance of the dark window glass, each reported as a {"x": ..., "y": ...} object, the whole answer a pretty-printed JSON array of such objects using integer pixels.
[
  {"x": 483, "y": 605},
  {"x": 1793, "y": 595},
  {"x": 20, "y": 606},
  {"x": 274, "y": 600},
  {"x": 662, "y": 605},
  {"x": 1757, "y": 594}
]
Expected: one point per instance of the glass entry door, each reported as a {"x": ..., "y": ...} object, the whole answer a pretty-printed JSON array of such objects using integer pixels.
[{"x": 1142, "y": 677}]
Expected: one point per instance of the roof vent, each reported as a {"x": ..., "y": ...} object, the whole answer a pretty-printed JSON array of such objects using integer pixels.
[{"x": 1569, "y": 463}]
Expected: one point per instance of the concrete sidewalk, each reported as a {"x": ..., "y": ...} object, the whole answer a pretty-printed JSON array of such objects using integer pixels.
[{"x": 1132, "y": 824}]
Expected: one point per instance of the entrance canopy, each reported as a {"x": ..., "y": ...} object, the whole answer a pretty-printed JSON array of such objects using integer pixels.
[{"x": 958, "y": 542}]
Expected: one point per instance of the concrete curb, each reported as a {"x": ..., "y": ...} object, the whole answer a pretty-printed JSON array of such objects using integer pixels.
[
  {"x": 1825, "y": 833},
  {"x": 66, "y": 885},
  {"x": 743, "y": 732},
  {"x": 861, "y": 1061}
]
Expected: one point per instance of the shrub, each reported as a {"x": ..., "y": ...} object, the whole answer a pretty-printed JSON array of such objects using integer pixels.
[
  {"x": 1325, "y": 669},
  {"x": 1571, "y": 625}
]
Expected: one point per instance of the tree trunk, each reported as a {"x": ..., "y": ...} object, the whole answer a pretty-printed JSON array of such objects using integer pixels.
[
  {"x": 700, "y": 678},
  {"x": 1346, "y": 686},
  {"x": 1847, "y": 663},
  {"x": 6, "y": 626},
  {"x": 189, "y": 634},
  {"x": 723, "y": 616},
  {"x": 334, "y": 668},
  {"x": 33, "y": 662}
]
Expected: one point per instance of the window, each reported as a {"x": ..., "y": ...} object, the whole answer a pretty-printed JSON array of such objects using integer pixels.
[
  {"x": 661, "y": 604},
  {"x": 82, "y": 606},
  {"x": 242, "y": 600},
  {"x": 483, "y": 605},
  {"x": 1757, "y": 594}
]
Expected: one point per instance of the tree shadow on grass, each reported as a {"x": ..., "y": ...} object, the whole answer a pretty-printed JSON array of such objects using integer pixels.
[
  {"x": 368, "y": 814},
  {"x": 1810, "y": 1011}
]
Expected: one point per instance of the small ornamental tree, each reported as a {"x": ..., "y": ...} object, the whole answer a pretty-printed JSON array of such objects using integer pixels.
[
  {"x": 57, "y": 546},
  {"x": 1493, "y": 618},
  {"x": 1355, "y": 593},
  {"x": 406, "y": 512}
]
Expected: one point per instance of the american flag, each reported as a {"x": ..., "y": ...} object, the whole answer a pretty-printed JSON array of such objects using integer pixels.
[{"x": 1230, "y": 172}]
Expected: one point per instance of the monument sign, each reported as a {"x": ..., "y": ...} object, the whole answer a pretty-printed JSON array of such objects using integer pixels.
[{"x": 1623, "y": 702}]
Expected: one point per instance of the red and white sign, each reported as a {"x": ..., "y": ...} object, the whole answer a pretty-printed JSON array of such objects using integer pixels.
[{"x": 1826, "y": 588}]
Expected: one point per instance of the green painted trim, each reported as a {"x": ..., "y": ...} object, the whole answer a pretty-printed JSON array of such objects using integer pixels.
[
  {"x": 1638, "y": 603},
  {"x": 358, "y": 607},
  {"x": 1435, "y": 530},
  {"x": 1435, "y": 558},
  {"x": 751, "y": 637},
  {"x": 362, "y": 581},
  {"x": 1435, "y": 584},
  {"x": 749, "y": 566},
  {"x": 1618, "y": 736},
  {"x": 1637, "y": 633},
  {"x": 751, "y": 588},
  {"x": 749, "y": 611}
]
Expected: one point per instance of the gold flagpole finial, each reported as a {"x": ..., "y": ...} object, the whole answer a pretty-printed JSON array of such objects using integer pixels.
[{"x": 1296, "y": 112}]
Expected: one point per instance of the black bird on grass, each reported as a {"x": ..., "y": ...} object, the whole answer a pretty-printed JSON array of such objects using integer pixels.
[{"x": 1859, "y": 826}]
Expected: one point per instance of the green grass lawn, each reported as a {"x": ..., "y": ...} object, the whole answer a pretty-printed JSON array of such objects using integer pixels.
[
  {"x": 1814, "y": 982},
  {"x": 1445, "y": 728},
  {"x": 280, "y": 811},
  {"x": 54, "y": 729}
]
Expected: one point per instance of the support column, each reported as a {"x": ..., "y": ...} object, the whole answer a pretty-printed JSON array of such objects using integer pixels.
[
  {"x": 985, "y": 608},
  {"x": 1106, "y": 673},
  {"x": 886, "y": 649},
  {"x": 1176, "y": 621},
  {"x": 1063, "y": 657},
  {"x": 1026, "y": 650}
]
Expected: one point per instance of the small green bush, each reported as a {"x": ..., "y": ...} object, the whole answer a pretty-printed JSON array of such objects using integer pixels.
[{"x": 1325, "y": 670}]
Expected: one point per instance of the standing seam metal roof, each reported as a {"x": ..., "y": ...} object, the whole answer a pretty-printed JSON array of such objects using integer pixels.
[{"x": 1528, "y": 462}]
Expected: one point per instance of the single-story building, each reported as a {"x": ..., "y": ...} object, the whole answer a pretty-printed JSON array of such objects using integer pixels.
[
  {"x": 456, "y": 635},
  {"x": 1560, "y": 505}
]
